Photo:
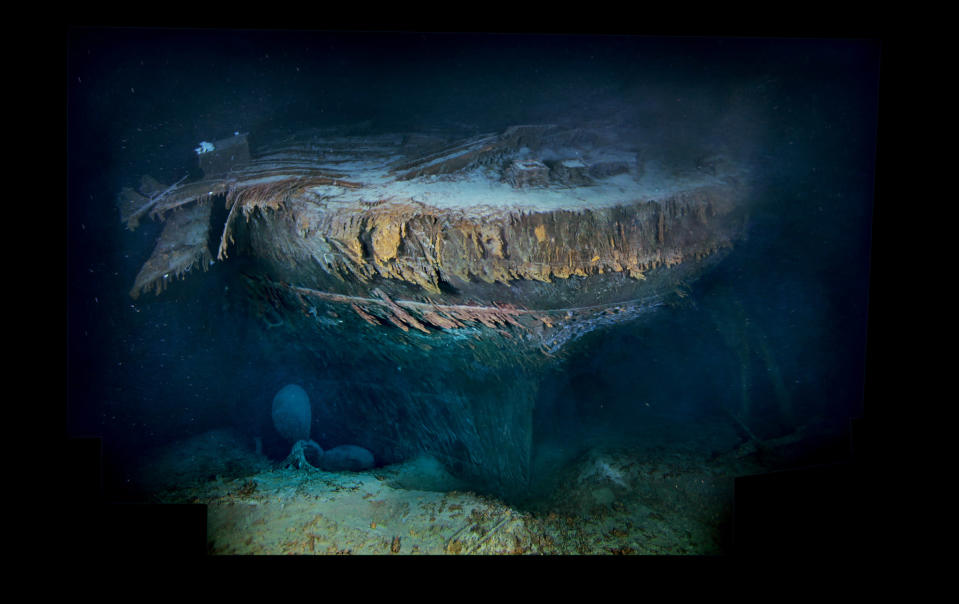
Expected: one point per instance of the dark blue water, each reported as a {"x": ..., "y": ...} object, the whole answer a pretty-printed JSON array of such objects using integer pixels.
[{"x": 146, "y": 372}]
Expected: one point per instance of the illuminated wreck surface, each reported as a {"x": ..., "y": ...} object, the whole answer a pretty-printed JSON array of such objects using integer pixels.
[
  {"x": 454, "y": 276},
  {"x": 561, "y": 336}
]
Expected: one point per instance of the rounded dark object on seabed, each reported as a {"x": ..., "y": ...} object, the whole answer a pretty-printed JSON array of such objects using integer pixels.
[
  {"x": 347, "y": 457},
  {"x": 291, "y": 413}
]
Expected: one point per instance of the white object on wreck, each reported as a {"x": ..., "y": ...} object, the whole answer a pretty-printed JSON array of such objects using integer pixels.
[{"x": 204, "y": 147}]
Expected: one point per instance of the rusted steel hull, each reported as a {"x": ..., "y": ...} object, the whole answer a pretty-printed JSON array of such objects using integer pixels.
[{"x": 468, "y": 264}]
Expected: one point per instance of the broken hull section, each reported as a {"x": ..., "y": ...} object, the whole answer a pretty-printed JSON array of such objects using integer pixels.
[{"x": 437, "y": 289}]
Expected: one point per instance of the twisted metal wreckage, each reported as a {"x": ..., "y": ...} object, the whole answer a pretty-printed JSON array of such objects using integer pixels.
[{"x": 457, "y": 270}]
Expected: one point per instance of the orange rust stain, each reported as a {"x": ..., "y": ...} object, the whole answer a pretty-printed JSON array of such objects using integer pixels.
[{"x": 540, "y": 232}]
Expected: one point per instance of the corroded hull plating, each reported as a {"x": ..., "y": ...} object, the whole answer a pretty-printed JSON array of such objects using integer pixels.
[{"x": 454, "y": 271}]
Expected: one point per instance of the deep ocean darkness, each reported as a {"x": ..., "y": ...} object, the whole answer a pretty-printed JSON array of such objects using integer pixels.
[{"x": 147, "y": 372}]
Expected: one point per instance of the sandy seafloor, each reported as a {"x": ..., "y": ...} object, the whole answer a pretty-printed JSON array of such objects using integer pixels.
[{"x": 611, "y": 499}]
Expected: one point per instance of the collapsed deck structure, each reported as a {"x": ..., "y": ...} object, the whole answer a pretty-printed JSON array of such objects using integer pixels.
[{"x": 440, "y": 277}]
